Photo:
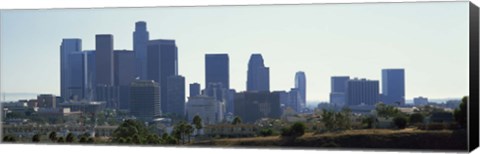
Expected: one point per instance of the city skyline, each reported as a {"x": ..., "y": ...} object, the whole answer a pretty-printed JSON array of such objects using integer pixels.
[{"x": 317, "y": 61}]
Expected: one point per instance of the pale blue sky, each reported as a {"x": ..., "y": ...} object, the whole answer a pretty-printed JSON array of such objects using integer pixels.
[{"x": 429, "y": 40}]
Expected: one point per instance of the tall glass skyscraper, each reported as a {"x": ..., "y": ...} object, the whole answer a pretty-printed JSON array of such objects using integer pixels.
[
  {"x": 140, "y": 42},
  {"x": 162, "y": 62},
  {"x": 124, "y": 75},
  {"x": 393, "y": 86},
  {"x": 217, "y": 69},
  {"x": 176, "y": 96},
  {"x": 301, "y": 85},
  {"x": 77, "y": 76},
  {"x": 258, "y": 76},
  {"x": 67, "y": 47}
]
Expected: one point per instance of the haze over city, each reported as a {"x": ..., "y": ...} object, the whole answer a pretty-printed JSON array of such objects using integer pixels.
[{"x": 327, "y": 40}]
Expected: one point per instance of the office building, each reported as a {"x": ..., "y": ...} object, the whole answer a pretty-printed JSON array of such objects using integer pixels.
[
  {"x": 208, "y": 108},
  {"x": 67, "y": 47},
  {"x": 420, "y": 100},
  {"x": 145, "y": 100},
  {"x": 393, "y": 86},
  {"x": 162, "y": 62},
  {"x": 362, "y": 92},
  {"x": 258, "y": 76},
  {"x": 124, "y": 74},
  {"x": 338, "y": 85},
  {"x": 252, "y": 106},
  {"x": 176, "y": 96},
  {"x": 104, "y": 71},
  {"x": 140, "y": 42},
  {"x": 90, "y": 94},
  {"x": 295, "y": 100},
  {"x": 230, "y": 104},
  {"x": 301, "y": 85},
  {"x": 47, "y": 101},
  {"x": 194, "y": 89},
  {"x": 77, "y": 64},
  {"x": 217, "y": 69}
]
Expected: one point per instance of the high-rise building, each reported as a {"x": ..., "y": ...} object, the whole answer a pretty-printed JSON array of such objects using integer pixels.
[
  {"x": 338, "y": 89},
  {"x": 301, "y": 85},
  {"x": 176, "y": 96},
  {"x": 208, "y": 108},
  {"x": 67, "y": 47},
  {"x": 362, "y": 91},
  {"x": 295, "y": 100},
  {"x": 393, "y": 86},
  {"x": 258, "y": 76},
  {"x": 140, "y": 42},
  {"x": 252, "y": 106},
  {"x": 104, "y": 60},
  {"x": 217, "y": 69},
  {"x": 90, "y": 75},
  {"x": 77, "y": 64},
  {"x": 47, "y": 101},
  {"x": 124, "y": 74},
  {"x": 194, "y": 89},
  {"x": 145, "y": 103},
  {"x": 162, "y": 62},
  {"x": 217, "y": 91},
  {"x": 230, "y": 104}
]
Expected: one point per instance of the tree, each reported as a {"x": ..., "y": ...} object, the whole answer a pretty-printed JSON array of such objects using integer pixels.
[
  {"x": 416, "y": 118},
  {"x": 400, "y": 122},
  {"x": 295, "y": 130},
  {"x": 181, "y": 130},
  {"x": 328, "y": 119},
  {"x": 197, "y": 121},
  {"x": 153, "y": 139},
  {"x": 53, "y": 136},
  {"x": 167, "y": 139},
  {"x": 266, "y": 132},
  {"x": 36, "y": 138},
  {"x": 188, "y": 131},
  {"x": 384, "y": 110},
  {"x": 9, "y": 138},
  {"x": 70, "y": 138},
  {"x": 460, "y": 113},
  {"x": 83, "y": 139},
  {"x": 130, "y": 128},
  {"x": 91, "y": 140},
  {"x": 61, "y": 140},
  {"x": 237, "y": 120},
  {"x": 368, "y": 120}
]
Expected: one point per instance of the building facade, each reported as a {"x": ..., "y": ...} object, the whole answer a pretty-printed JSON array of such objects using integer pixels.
[
  {"x": 258, "y": 76},
  {"x": 252, "y": 106},
  {"x": 393, "y": 86},
  {"x": 194, "y": 89},
  {"x": 140, "y": 42},
  {"x": 301, "y": 85},
  {"x": 362, "y": 91},
  {"x": 162, "y": 62},
  {"x": 338, "y": 85},
  {"x": 67, "y": 47},
  {"x": 145, "y": 100},
  {"x": 208, "y": 108},
  {"x": 176, "y": 96}
]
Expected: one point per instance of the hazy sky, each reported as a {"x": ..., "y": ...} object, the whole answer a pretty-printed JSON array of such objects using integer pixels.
[{"x": 429, "y": 40}]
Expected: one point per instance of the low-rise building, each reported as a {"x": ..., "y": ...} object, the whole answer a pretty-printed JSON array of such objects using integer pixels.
[{"x": 230, "y": 130}]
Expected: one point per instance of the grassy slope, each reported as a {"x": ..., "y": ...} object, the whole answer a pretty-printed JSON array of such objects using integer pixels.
[{"x": 383, "y": 139}]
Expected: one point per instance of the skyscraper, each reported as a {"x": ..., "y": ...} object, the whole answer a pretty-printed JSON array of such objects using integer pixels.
[
  {"x": 67, "y": 46},
  {"x": 145, "y": 103},
  {"x": 104, "y": 70},
  {"x": 90, "y": 75},
  {"x": 206, "y": 107},
  {"x": 295, "y": 100},
  {"x": 77, "y": 64},
  {"x": 338, "y": 85},
  {"x": 217, "y": 69},
  {"x": 393, "y": 86},
  {"x": 176, "y": 96},
  {"x": 194, "y": 89},
  {"x": 162, "y": 62},
  {"x": 362, "y": 91},
  {"x": 140, "y": 42},
  {"x": 258, "y": 76},
  {"x": 301, "y": 85},
  {"x": 104, "y": 59},
  {"x": 124, "y": 74}
]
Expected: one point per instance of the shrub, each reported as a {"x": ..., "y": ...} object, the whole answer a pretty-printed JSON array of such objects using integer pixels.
[
  {"x": 400, "y": 122},
  {"x": 266, "y": 132}
]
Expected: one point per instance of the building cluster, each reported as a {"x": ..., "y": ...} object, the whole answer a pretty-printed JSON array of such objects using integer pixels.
[
  {"x": 145, "y": 82},
  {"x": 364, "y": 92}
]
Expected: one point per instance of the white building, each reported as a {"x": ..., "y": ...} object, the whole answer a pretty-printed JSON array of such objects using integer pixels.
[{"x": 208, "y": 108}]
